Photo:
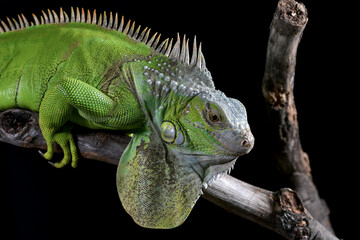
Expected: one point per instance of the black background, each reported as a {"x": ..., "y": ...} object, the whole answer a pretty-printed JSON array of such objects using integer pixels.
[{"x": 41, "y": 202}]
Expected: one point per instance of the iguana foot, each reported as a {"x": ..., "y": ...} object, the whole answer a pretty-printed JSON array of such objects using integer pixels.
[{"x": 67, "y": 143}]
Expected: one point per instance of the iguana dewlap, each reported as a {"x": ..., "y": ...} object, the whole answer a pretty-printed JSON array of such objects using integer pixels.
[{"x": 102, "y": 74}]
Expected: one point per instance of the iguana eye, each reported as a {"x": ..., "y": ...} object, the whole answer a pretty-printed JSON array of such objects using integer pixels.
[{"x": 214, "y": 117}]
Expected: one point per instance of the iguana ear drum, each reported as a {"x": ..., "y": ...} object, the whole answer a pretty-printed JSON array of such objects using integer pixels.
[
  {"x": 171, "y": 134},
  {"x": 168, "y": 132}
]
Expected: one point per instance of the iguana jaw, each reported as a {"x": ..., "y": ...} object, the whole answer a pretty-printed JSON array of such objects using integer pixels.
[
  {"x": 213, "y": 172},
  {"x": 209, "y": 168},
  {"x": 231, "y": 144}
]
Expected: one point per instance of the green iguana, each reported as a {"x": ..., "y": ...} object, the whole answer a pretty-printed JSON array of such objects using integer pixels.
[{"x": 102, "y": 74}]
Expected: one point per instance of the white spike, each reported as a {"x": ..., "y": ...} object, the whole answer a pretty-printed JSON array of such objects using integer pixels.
[
  {"x": 136, "y": 34},
  {"x": 146, "y": 36},
  {"x": 61, "y": 16},
  {"x": 187, "y": 55},
  {"x": 78, "y": 17},
  {"x": 176, "y": 49},
  {"x": 115, "y": 26},
  {"x": 56, "y": 18},
  {"x": 151, "y": 40},
  {"x": 105, "y": 23},
  {"x": 35, "y": 19},
  {"x": 82, "y": 15},
  {"x": 21, "y": 22},
  {"x": 99, "y": 22},
  {"x": 194, "y": 53},
  {"x": 142, "y": 35},
  {"x": 72, "y": 15},
  {"x": 110, "y": 24},
  {"x": 12, "y": 28},
  {"x": 169, "y": 48},
  {"x": 45, "y": 17},
  {"x": 26, "y": 23},
  {"x": 94, "y": 19},
  {"x": 88, "y": 17},
  {"x": 131, "y": 31},
  {"x": 156, "y": 42},
  {"x": 17, "y": 26},
  {"x": 67, "y": 19},
  {"x": 198, "y": 61},
  {"x": 120, "y": 29},
  {"x": 160, "y": 49},
  {"x": 203, "y": 63},
  {"x": 51, "y": 19},
  {"x": 183, "y": 50},
  {"x": 127, "y": 27}
]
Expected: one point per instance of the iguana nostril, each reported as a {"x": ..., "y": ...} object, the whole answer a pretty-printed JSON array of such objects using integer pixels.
[{"x": 245, "y": 143}]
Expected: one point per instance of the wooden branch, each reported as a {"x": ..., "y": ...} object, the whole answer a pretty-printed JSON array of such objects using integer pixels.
[
  {"x": 21, "y": 128},
  {"x": 280, "y": 211},
  {"x": 286, "y": 31}
]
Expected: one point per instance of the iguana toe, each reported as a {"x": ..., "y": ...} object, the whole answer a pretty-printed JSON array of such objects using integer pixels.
[{"x": 67, "y": 143}]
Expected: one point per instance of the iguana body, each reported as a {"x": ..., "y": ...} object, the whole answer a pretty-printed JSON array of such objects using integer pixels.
[{"x": 101, "y": 74}]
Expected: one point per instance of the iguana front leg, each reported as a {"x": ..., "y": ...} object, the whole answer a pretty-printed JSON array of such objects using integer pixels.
[{"x": 70, "y": 100}]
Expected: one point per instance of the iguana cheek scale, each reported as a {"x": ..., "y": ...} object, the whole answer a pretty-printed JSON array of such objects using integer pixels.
[{"x": 103, "y": 74}]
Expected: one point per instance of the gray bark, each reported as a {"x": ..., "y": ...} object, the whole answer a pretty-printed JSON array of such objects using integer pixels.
[
  {"x": 280, "y": 211},
  {"x": 286, "y": 31}
]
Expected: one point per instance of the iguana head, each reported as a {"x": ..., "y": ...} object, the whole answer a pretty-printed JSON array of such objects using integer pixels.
[
  {"x": 210, "y": 133},
  {"x": 193, "y": 134}
]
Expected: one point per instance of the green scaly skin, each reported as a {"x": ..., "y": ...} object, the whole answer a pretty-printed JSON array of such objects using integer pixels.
[{"x": 185, "y": 133}]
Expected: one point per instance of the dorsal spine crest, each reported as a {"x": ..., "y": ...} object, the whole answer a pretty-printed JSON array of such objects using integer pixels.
[{"x": 179, "y": 52}]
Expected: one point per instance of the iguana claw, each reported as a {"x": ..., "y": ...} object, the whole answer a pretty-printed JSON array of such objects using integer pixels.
[
  {"x": 52, "y": 163},
  {"x": 41, "y": 153}
]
